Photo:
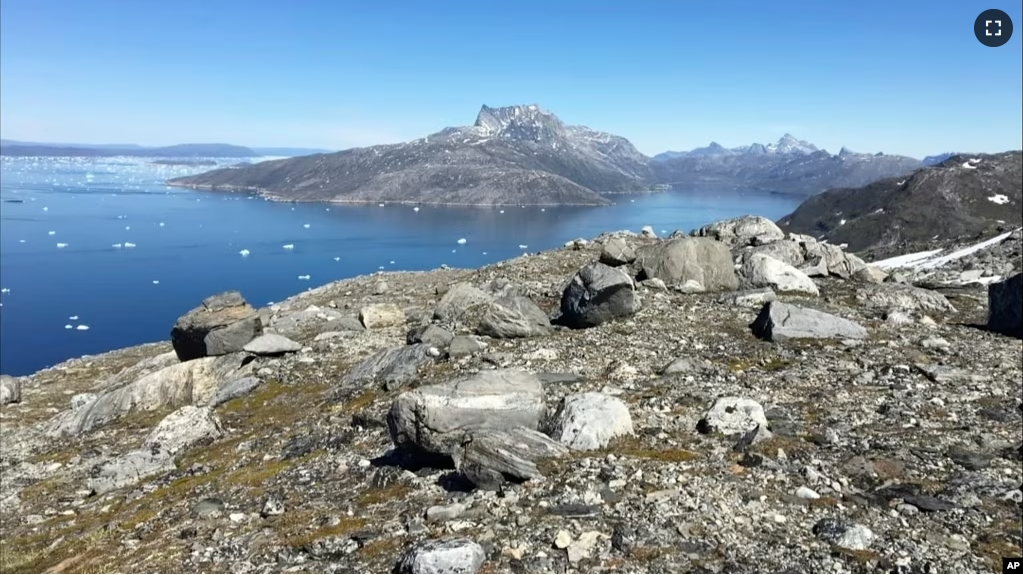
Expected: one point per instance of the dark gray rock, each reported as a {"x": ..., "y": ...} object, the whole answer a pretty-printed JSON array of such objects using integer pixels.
[
  {"x": 597, "y": 294},
  {"x": 703, "y": 260},
  {"x": 514, "y": 316},
  {"x": 450, "y": 555},
  {"x": 393, "y": 367},
  {"x": 223, "y": 324},
  {"x": 781, "y": 321},
  {"x": 1005, "y": 306},
  {"x": 430, "y": 335},
  {"x": 234, "y": 389}
]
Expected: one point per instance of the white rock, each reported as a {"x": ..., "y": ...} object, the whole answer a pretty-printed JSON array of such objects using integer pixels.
[
  {"x": 588, "y": 421},
  {"x": 183, "y": 428},
  {"x": 731, "y": 415}
]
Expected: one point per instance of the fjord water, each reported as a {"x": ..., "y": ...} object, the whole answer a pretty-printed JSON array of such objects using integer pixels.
[{"x": 186, "y": 246}]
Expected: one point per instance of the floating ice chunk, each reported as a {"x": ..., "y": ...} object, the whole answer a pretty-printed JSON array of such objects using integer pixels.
[
  {"x": 502, "y": 211},
  {"x": 21, "y": 241},
  {"x": 5, "y": 290},
  {"x": 461, "y": 241},
  {"x": 52, "y": 233},
  {"x": 415, "y": 209},
  {"x": 156, "y": 282},
  {"x": 484, "y": 253},
  {"x": 73, "y": 318},
  {"x": 82, "y": 327},
  {"x": 61, "y": 245},
  {"x": 328, "y": 209},
  {"x": 381, "y": 267},
  {"x": 523, "y": 246},
  {"x": 46, "y": 209},
  {"x": 244, "y": 253},
  {"x": 381, "y": 205},
  {"x": 161, "y": 224},
  {"x": 392, "y": 262},
  {"x": 543, "y": 209},
  {"x": 999, "y": 199},
  {"x": 337, "y": 259},
  {"x": 118, "y": 246},
  {"x": 68, "y": 326},
  {"x": 288, "y": 246},
  {"x": 305, "y": 277},
  {"x": 129, "y": 245},
  {"x": 306, "y": 226},
  {"x": 632, "y": 201}
]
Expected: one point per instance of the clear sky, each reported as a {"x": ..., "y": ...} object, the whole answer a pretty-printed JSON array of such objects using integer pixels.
[{"x": 898, "y": 76}]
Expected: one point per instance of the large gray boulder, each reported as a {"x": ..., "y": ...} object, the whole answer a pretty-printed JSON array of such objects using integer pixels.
[
  {"x": 703, "y": 260},
  {"x": 1005, "y": 306},
  {"x": 435, "y": 418},
  {"x": 193, "y": 382},
  {"x": 514, "y": 316},
  {"x": 460, "y": 299},
  {"x": 907, "y": 298},
  {"x": 788, "y": 251},
  {"x": 781, "y": 321},
  {"x": 617, "y": 252},
  {"x": 597, "y": 294},
  {"x": 129, "y": 469},
  {"x": 184, "y": 428},
  {"x": 763, "y": 271},
  {"x": 742, "y": 231},
  {"x": 430, "y": 335},
  {"x": 223, "y": 324},
  {"x": 491, "y": 457},
  {"x": 589, "y": 421},
  {"x": 393, "y": 367},
  {"x": 823, "y": 259},
  {"x": 10, "y": 389}
]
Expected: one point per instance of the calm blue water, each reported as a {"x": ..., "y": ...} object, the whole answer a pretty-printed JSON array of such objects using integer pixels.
[{"x": 187, "y": 244}]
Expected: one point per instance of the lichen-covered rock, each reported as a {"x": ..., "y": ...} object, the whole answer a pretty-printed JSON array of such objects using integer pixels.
[
  {"x": 743, "y": 231},
  {"x": 703, "y": 260},
  {"x": 514, "y": 316},
  {"x": 452, "y": 555},
  {"x": 589, "y": 421}
]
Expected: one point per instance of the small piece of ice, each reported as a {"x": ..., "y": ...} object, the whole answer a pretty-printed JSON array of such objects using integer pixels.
[
  {"x": 129, "y": 245},
  {"x": 999, "y": 199},
  {"x": 46, "y": 209},
  {"x": 305, "y": 277},
  {"x": 523, "y": 246},
  {"x": 244, "y": 253},
  {"x": 392, "y": 262},
  {"x": 156, "y": 282},
  {"x": 337, "y": 259},
  {"x": 502, "y": 211},
  {"x": 415, "y": 209},
  {"x": 69, "y": 326},
  {"x": 116, "y": 246},
  {"x": 161, "y": 224},
  {"x": 73, "y": 318},
  {"x": 61, "y": 245},
  {"x": 288, "y": 246},
  {"x": 306, "y": 226},
  {"x": 52, "y": 233},
  {"x": 461, "y": 241},
  {"x": 381, "y": 205},
  {"x": 82, "y": 327},
  {"x": 127, "y": 227}
]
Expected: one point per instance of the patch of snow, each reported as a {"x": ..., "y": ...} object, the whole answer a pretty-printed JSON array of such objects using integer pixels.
[
  {"x": 841, "y": 222},
  {"x": 931, "y": 259},
  {"x": 999, "y": 199},
  {"x": 969, "y": 166}
]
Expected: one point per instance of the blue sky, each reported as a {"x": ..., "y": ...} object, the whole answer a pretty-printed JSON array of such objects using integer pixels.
[{"x": 899, "y": 76}]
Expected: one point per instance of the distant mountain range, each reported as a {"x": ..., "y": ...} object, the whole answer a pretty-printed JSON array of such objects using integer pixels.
[
  {"x": 525, "y": 155},
  {"x": 964, "y": 197},
  {"x": 19, "y": 148}
]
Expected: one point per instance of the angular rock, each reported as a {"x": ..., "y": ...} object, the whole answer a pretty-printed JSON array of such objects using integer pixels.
[
  {"x": 10, "y": 390},
  {"x": 381, "y": 315},
  {"x": 844, "y": 534},
  {"x": 781, "y": 322},
  {"x": 434, "y": 418},
  {"x": 452, "y": 555},
  {"x": 869, "y": 274},
  {"x": 129, "y": 469},
  {"x": 463, "y": 346},
  {"x": 702, "y": 260},
  {"x": 393, "y": 367},
  {"x": 192, "y": 382},
  {"x": 458, "y": 300},
  {"x": 491, "y": 457},
  {"x": 184, "y": 428},
  {"x": 589, "y": 421},
  {"x": 732, "y": 415},
  {"x": 742, "y": 231},
  {"x": 787, "y": 251},
  {"x": 1005, "y": 306},
  {"x": 823, "y": 259},
  {"x": 223, "y": 324},
  {"x": 597, "y": 294},
  {"x": 514, "y": 316},
  {"x": 272, "y": 344},
  {"x": 617, "y": 252},
  {"x": 430, "y": 335},
  {"x": 892, "y": 297},
  {"x": 234, "y": 389},
  {"x": 762, "y": 271}
]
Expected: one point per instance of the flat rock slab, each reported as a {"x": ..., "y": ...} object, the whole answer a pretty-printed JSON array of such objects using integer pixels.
[
  {"x": 451, "y": 555},
  {"x": 234, "y": 389},
  {"x": 272, "y": 344},
  {"x": 749, "y": 297},
  {"x": 781, "y": 322},
  {"x": 393, "y": 367},
  {"x": 890, "y": 297},
  {"x": 434, "y": 418},
  {"x": 381, "y": 315},
  {"x": 223, "y": 324}
]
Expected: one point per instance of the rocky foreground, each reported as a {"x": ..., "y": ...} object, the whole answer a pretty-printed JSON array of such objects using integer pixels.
[{"x": 736, "y": 400}]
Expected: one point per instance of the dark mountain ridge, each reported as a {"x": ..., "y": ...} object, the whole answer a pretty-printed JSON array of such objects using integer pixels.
[{"x": 965, "y": 196}]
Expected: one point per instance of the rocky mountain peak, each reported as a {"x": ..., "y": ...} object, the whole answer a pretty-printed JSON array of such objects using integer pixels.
[
  {"x": 789, "y": 144},
  {"x": 522, "y": 122}
]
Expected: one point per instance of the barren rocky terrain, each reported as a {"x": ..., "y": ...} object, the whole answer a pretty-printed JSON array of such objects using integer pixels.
[{"x": 731, "y": 400}]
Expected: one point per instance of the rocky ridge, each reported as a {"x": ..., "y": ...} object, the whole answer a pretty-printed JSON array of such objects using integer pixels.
[{"x": 685, "y": 409}]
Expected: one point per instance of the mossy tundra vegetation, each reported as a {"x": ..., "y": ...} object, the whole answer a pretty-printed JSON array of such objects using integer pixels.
[{"x": 737, "y": 399}]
